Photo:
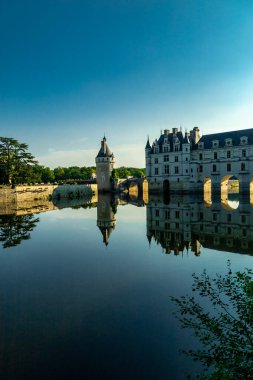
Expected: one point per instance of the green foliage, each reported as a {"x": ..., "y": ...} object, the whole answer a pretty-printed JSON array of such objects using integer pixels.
[
  {"x": 124, "y": 172},
  {"x": 226, "y": 333},
  {"x": 74, "y": 173},
  {"x": 14, "y": 229},
  {"x": 15, "y": 162}
]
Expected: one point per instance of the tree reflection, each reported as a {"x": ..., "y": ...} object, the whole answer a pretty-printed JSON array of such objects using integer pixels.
[
  {"x": 224, "y": 327},
  {"x": 15, "y": 228}
]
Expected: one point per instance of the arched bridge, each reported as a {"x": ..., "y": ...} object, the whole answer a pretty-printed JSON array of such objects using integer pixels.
[{"x": 135, "y": 187}]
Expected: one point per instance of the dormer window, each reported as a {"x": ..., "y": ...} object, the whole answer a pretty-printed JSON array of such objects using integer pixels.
[
  {"x": 165, "y": 149},
  {"x": 215, "y": 143},
  {"x": 201, "y": 145},
  {"x": 165, "y": 140},
  {"x": 228, "y": 142},
  {"x": 244, "y": 140}
]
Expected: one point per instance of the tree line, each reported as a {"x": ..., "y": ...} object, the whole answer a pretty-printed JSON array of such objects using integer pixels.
[{"x": 18, "y": 166}]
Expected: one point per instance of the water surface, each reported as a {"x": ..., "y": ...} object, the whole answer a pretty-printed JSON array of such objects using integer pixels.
[{"x": 85, "y": 291}]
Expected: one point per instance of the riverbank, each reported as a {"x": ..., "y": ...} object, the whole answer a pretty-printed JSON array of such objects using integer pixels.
[{"x": 32, "y": 193}]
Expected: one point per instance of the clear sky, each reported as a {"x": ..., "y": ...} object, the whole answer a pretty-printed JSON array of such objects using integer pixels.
[{"x": 72, "y": 70}]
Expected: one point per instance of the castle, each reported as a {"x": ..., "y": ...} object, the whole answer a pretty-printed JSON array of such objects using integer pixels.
[{"x": 188, "y": 162}]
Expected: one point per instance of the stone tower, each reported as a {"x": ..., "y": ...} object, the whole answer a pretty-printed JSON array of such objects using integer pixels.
[{"x": 104, "y": 167}]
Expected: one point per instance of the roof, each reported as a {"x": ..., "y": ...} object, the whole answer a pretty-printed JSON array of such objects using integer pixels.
[
  {"x": 148, "y": 145},
  {"x": 104, "y": 150},
  {"x": 171, "y": 137},
  {"x": 221, "y": 137}
]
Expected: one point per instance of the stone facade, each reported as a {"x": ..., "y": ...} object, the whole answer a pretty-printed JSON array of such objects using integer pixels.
[
  {"x": 186, "y": 162},
  {"x": 104, "y": 167}
]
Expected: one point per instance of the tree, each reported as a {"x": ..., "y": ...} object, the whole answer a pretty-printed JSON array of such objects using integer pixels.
[
  {"x": 226, "y": 333},
  {"x": 47, "y": 175},
  {"x": 15, "y": 161},
  {"x": 14, "y": 229}
]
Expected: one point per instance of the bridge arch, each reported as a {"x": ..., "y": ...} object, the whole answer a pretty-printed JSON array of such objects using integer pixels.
[
  {"x": 166, "y": 186},
  {"x": 229, "y": 192},
  {"x": 133, "y": 190},
  {"x": 251, "y": 191},
  {"x": 207, "y": 183}
]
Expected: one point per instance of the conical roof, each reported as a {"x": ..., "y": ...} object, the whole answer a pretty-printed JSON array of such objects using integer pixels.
[{"x": 104, "y": 150}]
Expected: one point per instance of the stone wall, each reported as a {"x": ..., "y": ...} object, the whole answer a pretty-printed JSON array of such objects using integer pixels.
[{"x": 45, "y": 192}]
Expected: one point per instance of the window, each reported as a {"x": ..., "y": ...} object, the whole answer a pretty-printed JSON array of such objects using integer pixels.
[
  {"x": 177, "y": 214},
  {"x": 229, "y": 230},
  {"x": 166, "y": 169},
  {"x": 215, "y": 155},
  {"x": 157, "y": 213},
  {"x": 186, "y": 158},
  {"x": 229, "y": 217},
  {"x": 156, "y": 150},
  {"x": 229, "y": 167},
  {"x": 242, "y": 166},
  {"x": 201, "y": 168},
  {"x": 176, "y": 148},
  {"x": 186, "y": 170},
  {"x": 186, "y": 149},
  {"x": 215, "y": 143},
  {"x": 214, "y": 217},
  {"x": 200, "y": 156},
  {"x": 244, "y": 153},
  {"x": 157, "y": 223},
  {"x": 243, "y": 218},
  {"x": 166, "y": 158},
  {"x": 176, "y": 170},
  {"x": 167, "y": 226},
  {"x": 244, "y": 140},
  {"x": 214, "y": 168},
  {"x": 166, "y": 149},
  {"x": 156, "y": 171},
  {"x": 167, "y": 214},
  {"x": 176, "y": 158},
  {"x": 156, "y": 160},
  {"x": 228, "y": 141},
  {"x": 228, "y": 154}
]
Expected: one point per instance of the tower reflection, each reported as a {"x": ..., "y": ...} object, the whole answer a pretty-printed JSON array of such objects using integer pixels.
[{"x": 106, "y": 210}]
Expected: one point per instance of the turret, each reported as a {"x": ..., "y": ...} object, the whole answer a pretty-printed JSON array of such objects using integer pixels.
[
  {"x": 148, "y": 158},
  {"x": 104, "y": 167}
]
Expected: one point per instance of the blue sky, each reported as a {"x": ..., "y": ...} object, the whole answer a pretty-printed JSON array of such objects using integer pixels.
[{"x": 72, "y": 70}]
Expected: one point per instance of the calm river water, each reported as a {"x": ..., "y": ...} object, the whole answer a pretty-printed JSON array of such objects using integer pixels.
[{"x": 85, "y": 290}]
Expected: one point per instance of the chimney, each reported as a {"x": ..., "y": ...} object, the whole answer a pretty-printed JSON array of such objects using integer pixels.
[
  {"x": 166, "y": 132},
  {"x": 174, "y": 130},
  {"x": 196, "y": 135}
]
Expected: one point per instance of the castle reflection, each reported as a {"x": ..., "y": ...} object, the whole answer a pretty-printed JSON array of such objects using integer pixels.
[
  {"x": 185, "y": 224},
  {"x": 180, "y": 224}
]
